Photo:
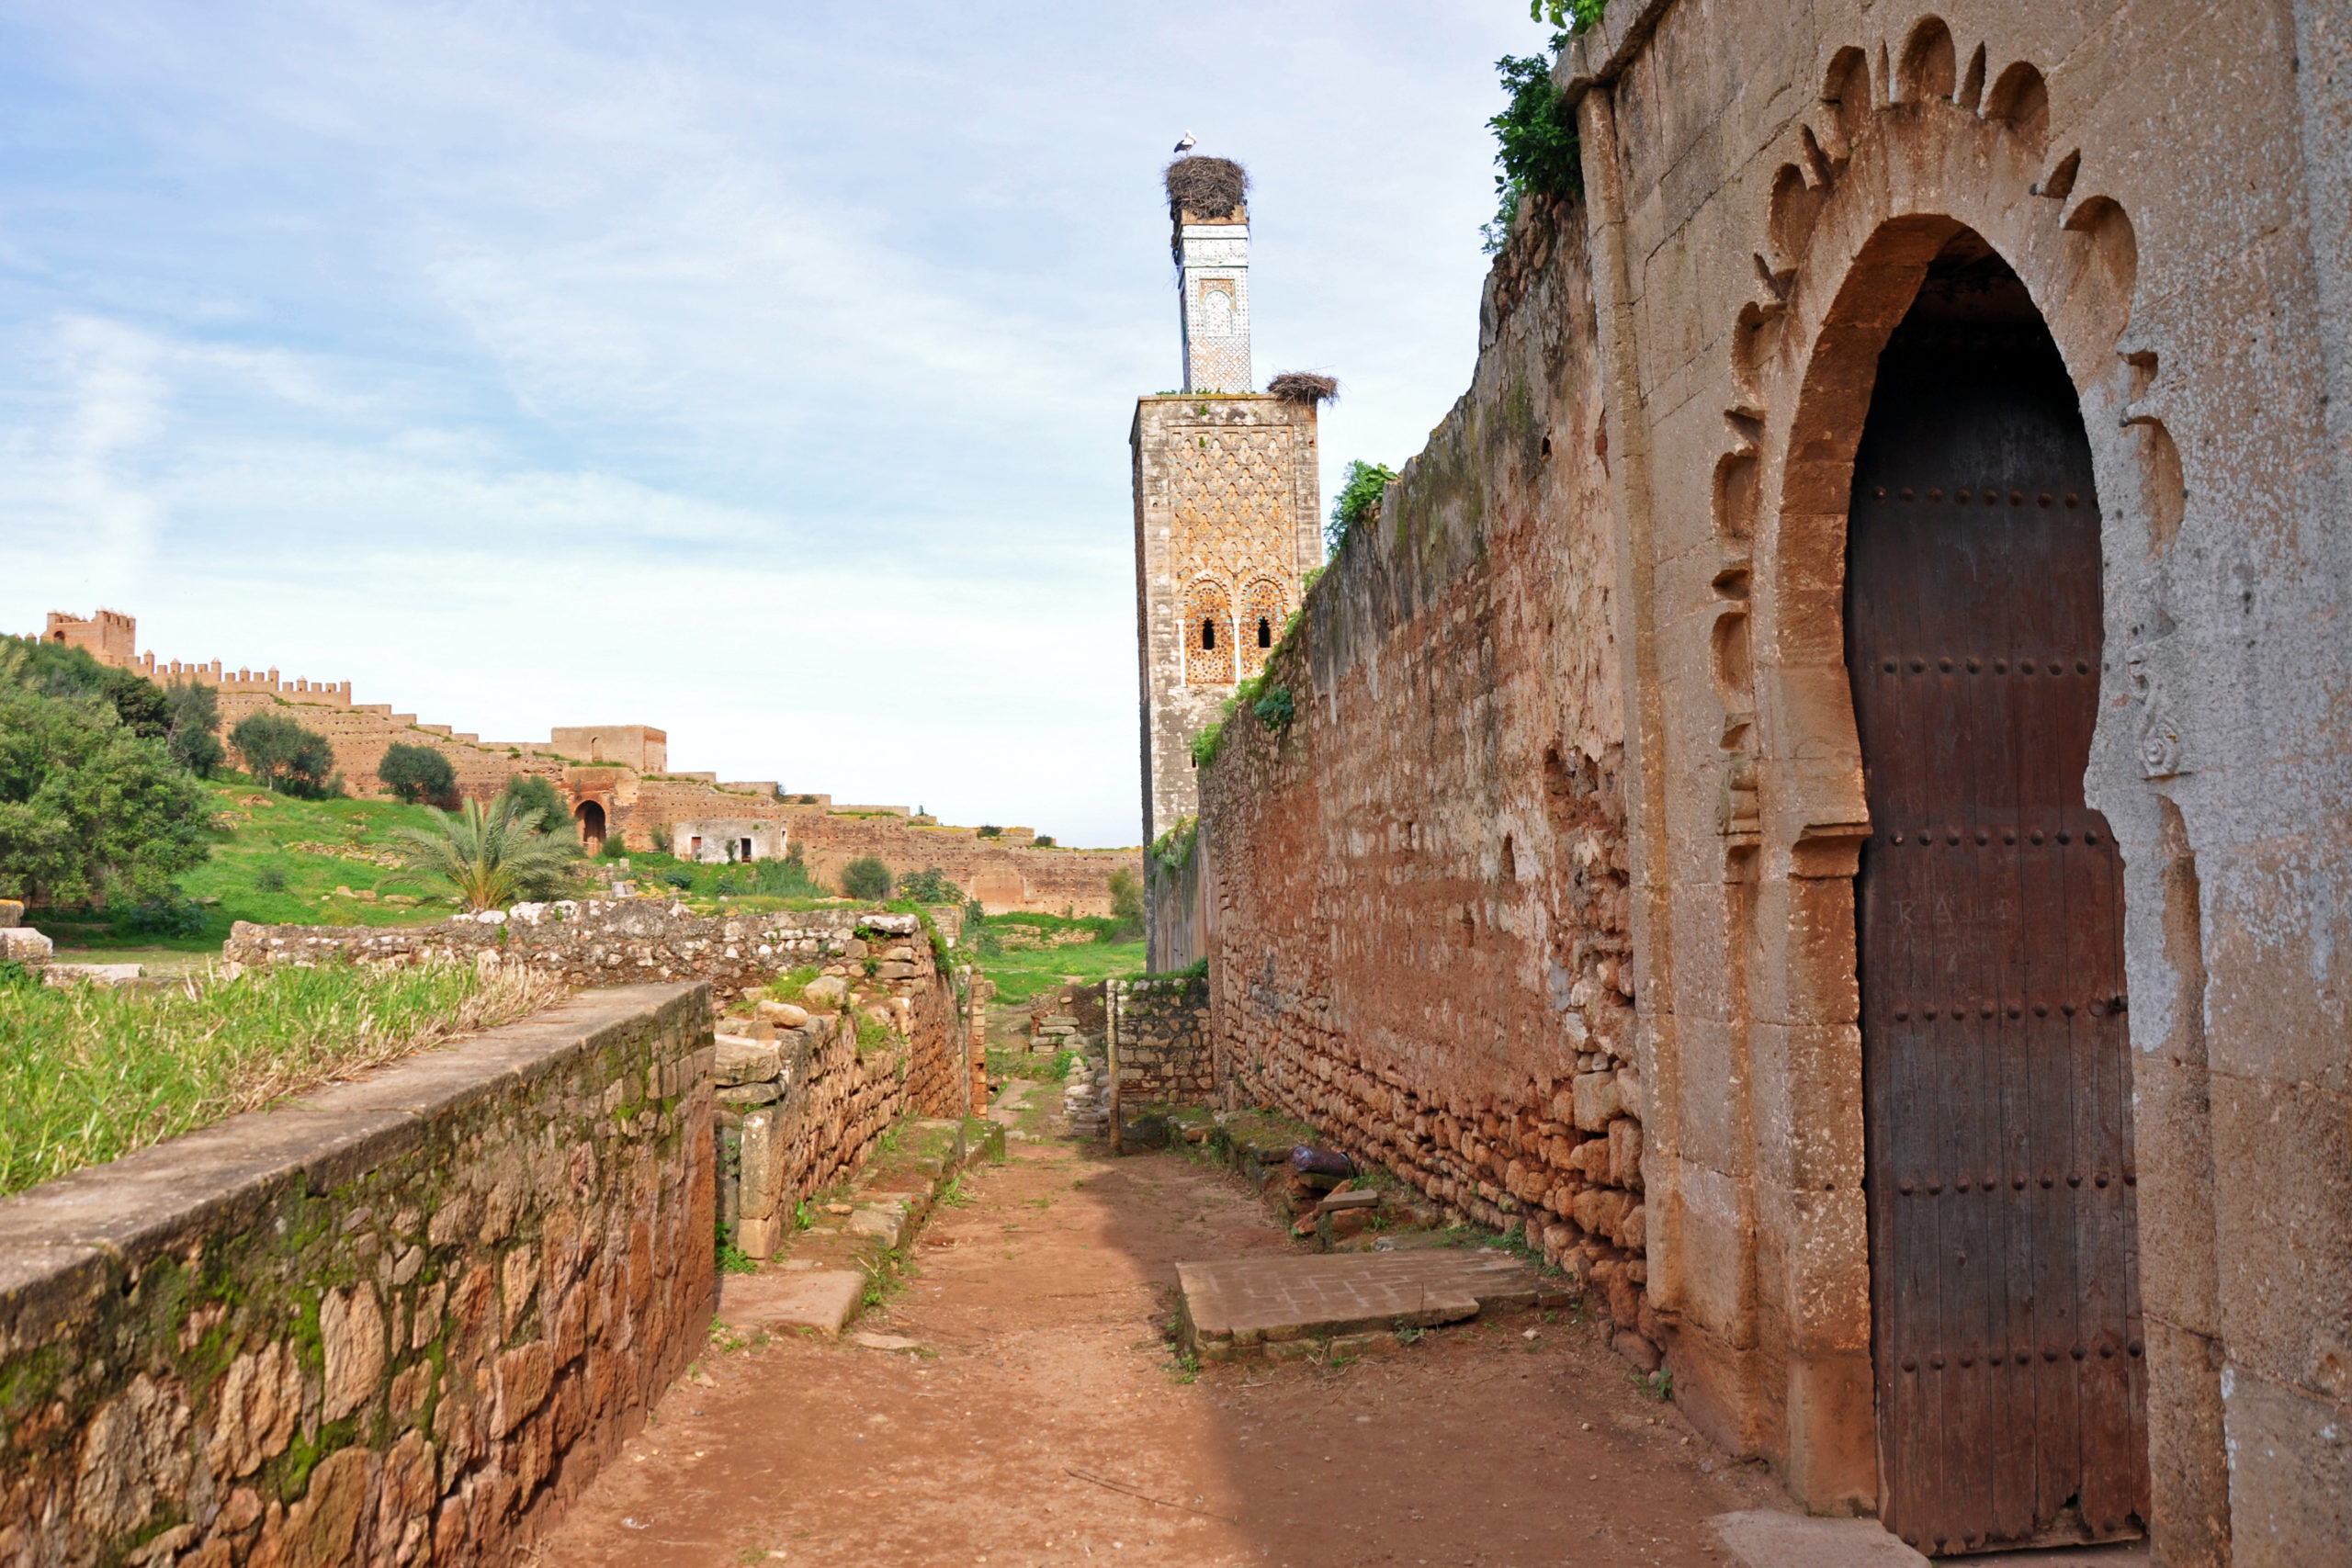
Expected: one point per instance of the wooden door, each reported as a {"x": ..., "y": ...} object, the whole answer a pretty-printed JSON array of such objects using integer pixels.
[{"x": 2003, "y": 1271}]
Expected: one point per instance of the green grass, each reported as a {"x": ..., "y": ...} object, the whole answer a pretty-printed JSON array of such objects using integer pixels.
[
  {"x": 255, "y": 849},
  {"x": 1022, "y": 974},
  {"x": 88, "y": 1075}
]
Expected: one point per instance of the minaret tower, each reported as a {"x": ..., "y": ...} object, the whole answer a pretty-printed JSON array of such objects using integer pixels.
[
  {"x": 1211, "y": 246},
  {"x": 1228, "y": 499}
]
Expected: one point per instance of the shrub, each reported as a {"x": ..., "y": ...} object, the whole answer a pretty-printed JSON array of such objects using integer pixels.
[
  {"x": 417, "y": 773},
  {"x": 55, "y": 670},
  {"x": 1126, "y": 905},
  {"x": 270, "y": 879},
  {"x": 1044, "y": 840},
  {"x": 169, "y": 916},
  {"x": 1275, "y": 710},
  {"x": 529, "y": 792},
  {"x": 991, "y": 830},
  {"x": 282, "y": 755},
  {"x": 1359, "y": 492},
  {"x": 930, "y": 885},
  {"x": 87, "y": 808},
  {"x": 193, "y": 740},
  {"x": 785, "y": 878},
  {"x": 679, "y": 877},
  {"x": 1536, "y": 130},
  {"x": 492, "y": 855},
  {"x": 616, "y": 846},
  {"x": 867, "y": 877}
]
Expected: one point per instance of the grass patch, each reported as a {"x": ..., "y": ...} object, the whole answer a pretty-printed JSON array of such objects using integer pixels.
[
  {"x": 88, "y": 1075},
  {"x": 1028, "y": 1064},
  {"x": 278, "y": 861},
  {"x": 1022, "y": 973}
]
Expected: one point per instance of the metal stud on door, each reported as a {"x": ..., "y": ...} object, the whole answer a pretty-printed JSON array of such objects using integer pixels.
[{"x": 2004, "y": 1275}]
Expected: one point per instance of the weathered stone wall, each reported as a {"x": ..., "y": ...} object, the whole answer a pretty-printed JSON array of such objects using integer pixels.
[
  {"x": 618, "y": 942},
  {"x": 1160, "y": 1043},
  {"x": 802, "y": 1104},
  {"x": 1416, "y": 892},
  {"x": 1176, "y": 905},
  {"x": 402, "y": 1320}
]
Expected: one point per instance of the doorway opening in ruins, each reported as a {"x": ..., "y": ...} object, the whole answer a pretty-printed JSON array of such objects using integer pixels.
[
  {"x": 590, "y": 818},
  {"x": 2010, "y": 1379}
]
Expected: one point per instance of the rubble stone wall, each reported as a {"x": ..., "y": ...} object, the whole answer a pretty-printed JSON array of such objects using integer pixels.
[
  {"x": 402, "y": 1321},
  {"x": 1161, "y": 1052},
  {"x": 1416, "y": 891}
]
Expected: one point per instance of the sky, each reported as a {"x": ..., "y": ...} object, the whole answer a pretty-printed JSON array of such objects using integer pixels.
[{"x": 760, "y": 372}]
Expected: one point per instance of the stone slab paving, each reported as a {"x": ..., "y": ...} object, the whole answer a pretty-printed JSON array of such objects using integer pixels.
[
  {"x": 1242, "y": 1306},
  {"x": 821, "y": 1299},
  {"x": 1762, "y": 1538}
]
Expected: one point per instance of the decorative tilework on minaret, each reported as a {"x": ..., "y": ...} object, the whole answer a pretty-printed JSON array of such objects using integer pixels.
[{"x": 1213, "y": 284}]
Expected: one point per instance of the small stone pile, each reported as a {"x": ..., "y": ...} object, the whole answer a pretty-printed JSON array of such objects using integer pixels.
[
  {"x": 1056, "y": 1031},
  {"x": 1086, "y": 1098}
]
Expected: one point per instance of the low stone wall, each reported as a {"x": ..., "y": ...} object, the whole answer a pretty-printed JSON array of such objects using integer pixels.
[
  {"x": 402, "y": 1320},
  {"x": 609, "y": 942},
  {"x": 1161, "y": 1050}
]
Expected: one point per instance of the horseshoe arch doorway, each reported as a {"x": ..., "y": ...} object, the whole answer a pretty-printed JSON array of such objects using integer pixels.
[{"x": 2009, "y": 1380}]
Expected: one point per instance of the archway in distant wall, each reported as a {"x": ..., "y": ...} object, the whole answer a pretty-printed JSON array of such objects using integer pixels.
[{"x": 590, "y": 816}]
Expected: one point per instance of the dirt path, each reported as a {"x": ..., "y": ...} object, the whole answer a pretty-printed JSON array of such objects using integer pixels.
[{"x": 1044, "y": 1385}]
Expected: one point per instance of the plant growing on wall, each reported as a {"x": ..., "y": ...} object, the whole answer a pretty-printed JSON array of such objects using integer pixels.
[
  {"x": 1536, "y": 132},
  {"x": 1360, "y": 491},
  {"x": 1571, "y": 16},
  {"x": 867, "y": 877},
  {"x": 417, "y": 773},
  {"x": 286, "y": 756},
  {"x": 492, "y": 854}
]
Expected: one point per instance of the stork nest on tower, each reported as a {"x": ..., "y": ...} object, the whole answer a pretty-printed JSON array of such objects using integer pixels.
[
  {"x": 1207, "y": 187},
  {"x": 1304, "y": 386}
]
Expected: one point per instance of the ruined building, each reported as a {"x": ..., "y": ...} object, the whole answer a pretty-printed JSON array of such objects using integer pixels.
[
  {"x": 1227, "y": 495},
  {"x": 617, "y": 782},
  {"x": 1822, "y": 794}
]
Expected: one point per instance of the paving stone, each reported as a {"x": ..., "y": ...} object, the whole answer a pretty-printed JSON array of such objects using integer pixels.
[
  {"x": 1238, "y": 1305},
  {"x": 1759, "y": 1538},
  {"x": 824, "y": 1300},
  {"x": 885, "y": 1342}
]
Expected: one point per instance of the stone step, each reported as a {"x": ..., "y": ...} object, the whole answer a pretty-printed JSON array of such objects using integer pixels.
[{"x": 1250, "y": 1307}]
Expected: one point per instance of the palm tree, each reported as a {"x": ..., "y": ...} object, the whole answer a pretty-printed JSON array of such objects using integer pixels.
[{"x": 494, "y": 855}]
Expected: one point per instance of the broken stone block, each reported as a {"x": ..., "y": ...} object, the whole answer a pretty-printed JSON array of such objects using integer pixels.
[
  {"x": 741, "y": 1061},
  {"x": 24, "y": 944},
  {"x": 783, "y": 1015},
  {"x": 826, "y": 993},
  {"x": 742, "y": 1095},
  {"x": 12, "y": 913}
]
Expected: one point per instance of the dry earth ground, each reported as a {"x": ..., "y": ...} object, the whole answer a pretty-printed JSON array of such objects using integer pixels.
[{"x": 1045, "y": 1386}]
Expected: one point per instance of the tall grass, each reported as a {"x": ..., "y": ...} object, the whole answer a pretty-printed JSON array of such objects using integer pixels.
[{"x": 88, "y": 1075}]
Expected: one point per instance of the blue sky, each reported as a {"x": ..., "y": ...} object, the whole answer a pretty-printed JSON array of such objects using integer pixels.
[{"x": 762, "y": 372}]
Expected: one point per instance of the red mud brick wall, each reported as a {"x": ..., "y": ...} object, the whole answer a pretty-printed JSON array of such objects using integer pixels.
[{"x": 1417, "y": 893}]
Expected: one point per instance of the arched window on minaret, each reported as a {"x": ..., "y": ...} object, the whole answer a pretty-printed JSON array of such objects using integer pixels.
[
  {"x": 1261, "y": 623},
  {"x": 1208, "y": 634}
]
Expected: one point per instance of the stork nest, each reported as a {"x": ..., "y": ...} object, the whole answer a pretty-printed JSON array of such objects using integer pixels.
[
  {"x": 1210, "y": 188},
  {"x": 1304, "y": 386}
]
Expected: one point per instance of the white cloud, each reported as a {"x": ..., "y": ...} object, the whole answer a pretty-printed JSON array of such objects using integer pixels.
[{"x": 762, "y": 373}]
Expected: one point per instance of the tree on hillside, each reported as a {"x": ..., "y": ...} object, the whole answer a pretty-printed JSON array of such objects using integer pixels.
[
  {"x": 529, "y": 792},
  {"x": 867, "y": 877},
  {"x": 416, "y": 774},
  {"x": 55, "y": 670},
  {"x": 283, "y": 755},
  {"x": 89, "y": 810},
  {"x": 492, "y": 855},
  {"x": 1126, "y": 905},
  {"x": 194, "y": 739}
]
